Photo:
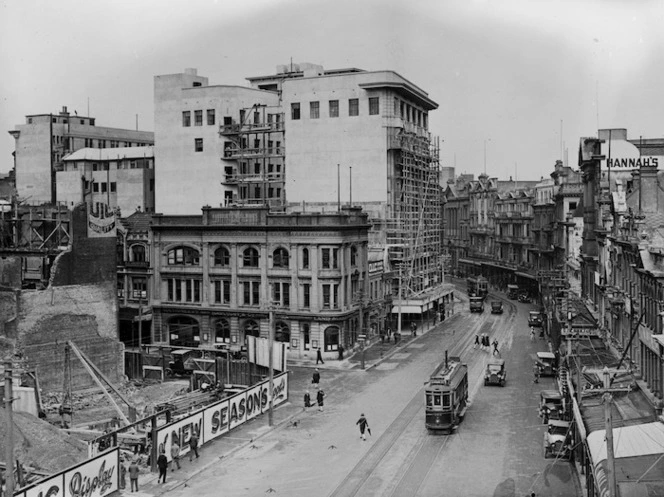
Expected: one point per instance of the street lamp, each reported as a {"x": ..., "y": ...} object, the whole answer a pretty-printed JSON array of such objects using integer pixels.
[{"x": 359, "y": 299}]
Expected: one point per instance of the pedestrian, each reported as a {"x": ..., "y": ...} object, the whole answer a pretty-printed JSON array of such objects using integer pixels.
[
  {"x": 134, "y": 470},
  {"x": 162, "y": 464},
  {"x": 307, "y": 399},
  {"x": 396, "y": 337},
  {"x": 175, "y": 455},
  {"x": 341, "y": 352},
  {"x": 193, "y": 446},
  {"x": 319, "y": 397},
  {"x": 477, "y": 341},
  {"x": 413, "y": 328},
  {"x": 123, "y": 476},
  {"x": 536, "y": 373},
  {"x": 319, "y": 356},
  {"x": 495, "y": 348},
  {"x": 315, "y": 379},
  {"x": 532, "y": 333},
  {"x": 364, "y": 425}
]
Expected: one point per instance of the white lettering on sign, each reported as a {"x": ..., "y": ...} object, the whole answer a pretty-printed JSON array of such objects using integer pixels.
[{"x": 633, "y": 162}]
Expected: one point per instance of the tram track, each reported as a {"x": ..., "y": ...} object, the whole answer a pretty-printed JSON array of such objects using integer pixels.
[{"x": 427, "y": 448}]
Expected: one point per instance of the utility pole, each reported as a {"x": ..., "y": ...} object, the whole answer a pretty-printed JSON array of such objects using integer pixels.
[
  {"x": 270, "y": 341},
  {"x": 9, "y": 450},
  {"x": 399, "y": 320},
  {"x": 140, "y": 325}
]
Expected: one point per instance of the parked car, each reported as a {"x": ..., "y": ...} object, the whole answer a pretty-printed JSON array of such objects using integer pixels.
[
  {"x": 512, "y": 291},
  {"x": 558, "y": 439},
  {"x": 551, "y": 406},
  {"x": 525, "y": 298},
  {"x": 183, "y": 362},
  {"x": 495, "y": 373},
  {"x": 535, "y": 319},
  {"x": 496, "y": 307},
  {"x": 547, "y": 363}
]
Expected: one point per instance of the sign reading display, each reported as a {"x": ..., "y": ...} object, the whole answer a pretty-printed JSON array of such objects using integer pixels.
[{"x": 95, "y": 478}]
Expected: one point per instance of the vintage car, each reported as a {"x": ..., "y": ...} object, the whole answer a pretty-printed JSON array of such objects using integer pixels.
[
  {"x": 547, "y": 363},
  {"x": 496, "y": 307},
  {"x": 535, "y": 319},
  {"x": 512, "y": 291},
  {"x": 183, "y": 362},
  {"x": 495, "y": 373},
  {"x": 525, "y": 298},
  {"x": 558, "y": 439},
  {"x": 476, "y": 304},
  {"x": 551, "y": 406}
]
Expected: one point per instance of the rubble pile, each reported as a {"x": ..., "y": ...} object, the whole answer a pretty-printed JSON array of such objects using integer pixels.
[{"x": 40, "y": 445}]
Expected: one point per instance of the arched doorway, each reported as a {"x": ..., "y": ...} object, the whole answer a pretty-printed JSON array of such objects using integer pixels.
[
  {"x": 184, "y": 331},
  {"x": 331, "y": 338},
  {"x": 282, "y": 332},
  {"x": 222, "y": 331},
  {"x": 250, "y": 328}
]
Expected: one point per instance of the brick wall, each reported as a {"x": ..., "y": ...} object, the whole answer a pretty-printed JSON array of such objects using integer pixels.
[{"x": 84, "y": 314}]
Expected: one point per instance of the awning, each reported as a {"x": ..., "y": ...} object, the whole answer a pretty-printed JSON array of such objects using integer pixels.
[
  {"x": 525, "y": 275},
  {"x": 636, "y": 449},
  {"x": 407, "y": 309}
]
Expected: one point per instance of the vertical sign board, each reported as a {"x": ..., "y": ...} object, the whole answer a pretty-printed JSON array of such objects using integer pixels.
[
  {"x": 216, "y": 421},
  {"x": 94, "y": 478},
  {"x": 279, "y": 393},
  {"x": 180, "y": 432}
]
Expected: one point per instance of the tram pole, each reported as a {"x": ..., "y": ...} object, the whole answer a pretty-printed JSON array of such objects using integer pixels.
[
  {"x": 9, "y": 450},
  {"x": 270, "y": 415}
]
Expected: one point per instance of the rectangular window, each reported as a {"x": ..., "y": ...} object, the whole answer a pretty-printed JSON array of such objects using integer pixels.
[
  {"x": 198, "y": 118},
  {"x": 95, "y": 187},
  {"x": 281, "y": 293},
  {"x": 330, "y": 258},
  {"x": 186, "y": 118},
  {"x": 113, "y": 186},
  {"x": 306, "y": 295},
  {"x": 222, "y": 292},
  {"x": 334, "y": 108},
  {"x": 295, "y": 111},
  {"x": 139, "y": 288},
  {"x": 198, "y": 144},
  {"x": 314, "y": 110},
  {"x": 330, "y": 296},
  {"x": 251, "y": 292},
  {"x": 183, "y": 290},
  {"x": 210, "y": 117},
  {"x": 104, "y": 187},
  {"x": 353, "y": 107},
  {"x": 373, "y": 106}
]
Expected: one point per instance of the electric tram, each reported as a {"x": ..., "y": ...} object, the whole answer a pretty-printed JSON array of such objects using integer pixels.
[
  {"x": 478, "y": 286},
  {"x": 446, "y": 396}
]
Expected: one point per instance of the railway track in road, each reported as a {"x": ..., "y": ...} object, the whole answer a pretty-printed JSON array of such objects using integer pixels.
[{"x": 368, "y": 474}]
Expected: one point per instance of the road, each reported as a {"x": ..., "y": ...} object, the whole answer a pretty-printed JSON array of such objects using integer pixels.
[{"x": 496, "y": 451}]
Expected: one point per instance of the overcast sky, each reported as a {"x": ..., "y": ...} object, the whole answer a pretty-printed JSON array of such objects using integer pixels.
[{"x": 505, "y": 73}]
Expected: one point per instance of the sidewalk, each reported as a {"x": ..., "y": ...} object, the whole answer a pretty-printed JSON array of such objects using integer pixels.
[{"x": 332, "y": 372}]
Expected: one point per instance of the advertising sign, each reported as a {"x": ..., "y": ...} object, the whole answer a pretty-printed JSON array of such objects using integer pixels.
[
  {"x": 280, "y": 391},
  {"x": 95, "y": 478},
  {"x": 53, "y": 487},
  {"x": 216, "y": 421},
  {"x": 236, "y": 410},
  {"x": 180, "y": 432}
]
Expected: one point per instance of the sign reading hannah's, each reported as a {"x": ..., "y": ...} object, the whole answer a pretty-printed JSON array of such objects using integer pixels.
[{"x": 632, "y": 162}]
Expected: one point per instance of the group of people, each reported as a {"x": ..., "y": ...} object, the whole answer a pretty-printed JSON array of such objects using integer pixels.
[
  {"x": 320, "y": 395},
  {"x": 483, "y": 342}
]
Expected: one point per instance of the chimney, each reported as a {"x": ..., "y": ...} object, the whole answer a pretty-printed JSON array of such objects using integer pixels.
[
  {"x": 64, "y": 111},
  {"x": 648, "y": 188}
]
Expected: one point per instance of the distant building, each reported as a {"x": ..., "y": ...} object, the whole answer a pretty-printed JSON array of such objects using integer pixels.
[
  {"x": 117, "y": 177},
  {"x": 45, "y": 139}
]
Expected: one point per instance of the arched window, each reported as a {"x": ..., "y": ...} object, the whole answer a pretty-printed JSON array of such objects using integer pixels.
[
  {"x": 138, "y": 253},
  {"x": 353, "y": 256},
  {"x": 331, "y": 338},
  {"x": 184, "y": 331},
  {"x": 250, "y": 257},
  {"x": 183, "y": 256},
  {"x": 280, "y": 257},
  {"x": 251, "y": 328},
  {"x": 222, "y": 331},
  {"x": 281, "y": 332},
  {"x": 222, "y": 257},
  {"x": 305, "y": 258}
]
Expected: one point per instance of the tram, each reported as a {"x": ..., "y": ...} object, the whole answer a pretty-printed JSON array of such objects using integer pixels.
[
  {"x": 446, "y": 396},
  {"x": 478, "y": 286}
]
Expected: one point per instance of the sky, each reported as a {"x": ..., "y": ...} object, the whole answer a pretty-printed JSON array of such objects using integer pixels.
[{"x": 518, "y": 82}]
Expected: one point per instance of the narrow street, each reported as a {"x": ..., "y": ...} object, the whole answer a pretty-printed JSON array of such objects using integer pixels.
[{"x": 496, "y": 451}]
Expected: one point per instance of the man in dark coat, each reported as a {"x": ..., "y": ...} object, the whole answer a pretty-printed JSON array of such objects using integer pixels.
[
  {"x": 315, "y": 379},
  {"x": 307, "y": 399},
  {"x": 319, "y": 356},
  {"x": 364, "y": 425},
  {"x": 193, "y": 446},
  {"x": 162, "y": 464},
  {"x": 319, "y": 397}
]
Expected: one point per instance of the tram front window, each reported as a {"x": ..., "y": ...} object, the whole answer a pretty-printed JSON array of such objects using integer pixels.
[
  {"x": 436, "y": 399},
  {"x": 429, "y": 400},
  {"x": 446, "y": 401}
]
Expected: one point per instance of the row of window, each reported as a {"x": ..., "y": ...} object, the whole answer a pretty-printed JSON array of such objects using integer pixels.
[
  {"x": 98, "y": 187},
  {"x": 187, "y": 256},
  {"x": 90, "y": 143},
  {"x": 333, "y": 108},
  {"x": 188, "y": 290},
  {"x": 198, "y": 118}
]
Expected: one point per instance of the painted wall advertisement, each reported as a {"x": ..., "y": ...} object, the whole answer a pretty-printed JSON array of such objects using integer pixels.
[
  {"x": 94, "y": 478},
  {"x": 221, "y": 417}
]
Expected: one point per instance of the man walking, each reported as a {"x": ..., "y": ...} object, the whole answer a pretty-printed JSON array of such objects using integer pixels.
[
  {"x": 162, "y": 464},
  {"x": 307, "y": 400},
  {"x": 193, "y": 446},
  {"x": 319, "y": 356},
  {"x": 495, "y": 348},
  {"x": 364, "y": 425},
  {"x": 134, "y": 470},
  {"x": 319, "y": 397},
  {"x": 341, "y": 352},
  {"x": 315, "y": 379},
  {"x": 477, "y": 341},
  {"x": 175, "y": 455}
]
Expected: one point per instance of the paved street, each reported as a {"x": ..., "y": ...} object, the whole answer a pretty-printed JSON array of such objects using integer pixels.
[{"x": 496, "y": 451}]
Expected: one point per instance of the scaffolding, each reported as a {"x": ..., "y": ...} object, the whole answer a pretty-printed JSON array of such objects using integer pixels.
[
  {"x": 254, "y": 157},
  {"x": 414, "y": 227}
]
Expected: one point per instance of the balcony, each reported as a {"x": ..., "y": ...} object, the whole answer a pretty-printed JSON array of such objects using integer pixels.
[
  {"x": 248, "y": 153},
  {"x": 136, "y": 264},
  {"x": 236, "y": 129},
  {"x": 235, "y": 178}
]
